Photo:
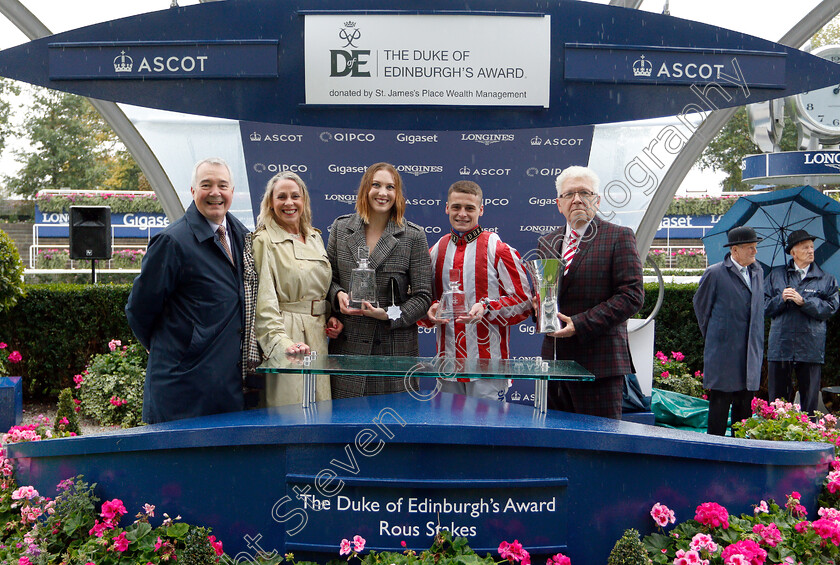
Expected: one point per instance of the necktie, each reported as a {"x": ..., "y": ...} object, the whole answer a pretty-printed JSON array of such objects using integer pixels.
[
  {"x": 746, "y": 276},
  {"x": 223, "y": 241},
  {"x": 571, "y": 249}
]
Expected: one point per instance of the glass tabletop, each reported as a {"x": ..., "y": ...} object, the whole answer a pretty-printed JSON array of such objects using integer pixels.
[{"x": 378, "y": 365}]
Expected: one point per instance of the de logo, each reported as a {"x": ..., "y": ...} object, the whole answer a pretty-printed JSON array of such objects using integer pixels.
[{"x": 345, "y": 62}]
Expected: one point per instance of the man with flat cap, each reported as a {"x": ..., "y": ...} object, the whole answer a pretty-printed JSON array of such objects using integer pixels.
[
  {"x": 798, "y": 297},
  {"x": 729, "y": 305}
]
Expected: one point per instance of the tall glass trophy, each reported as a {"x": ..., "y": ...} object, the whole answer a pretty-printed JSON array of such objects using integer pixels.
[
  {"x": 453, "y": 302},
  {"x": 363, "y": 281},
  {"x": 547, "y": 275}
]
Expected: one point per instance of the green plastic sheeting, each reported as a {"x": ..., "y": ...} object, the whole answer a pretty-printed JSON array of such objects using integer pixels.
[{"x": 675, "y": 410}]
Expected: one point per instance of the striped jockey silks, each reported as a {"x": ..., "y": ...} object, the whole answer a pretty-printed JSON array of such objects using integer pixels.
[{"x": 489, "y": 268}]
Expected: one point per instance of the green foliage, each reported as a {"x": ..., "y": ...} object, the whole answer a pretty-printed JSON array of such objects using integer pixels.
[
  {"x": 670, "y": 373},
  {"x": 828, "y": 35},
  {"x": 112, "y": 386},
  {"x": 676, "y": 326},
  {"x": 119, "y": 203},
  {"x": 57, "y": 328},
  {"x": 7, "y": 88},
  {"x": 700, "y": 206},
  {"x": 66, "y": 410},
  {"x": 783, "y": 421},
  {"x": 52, "y": 259},
  {"x": 11, "y": 273},
  {"x": 733, "y": 143},
  {"x": 628, "y": 550}
]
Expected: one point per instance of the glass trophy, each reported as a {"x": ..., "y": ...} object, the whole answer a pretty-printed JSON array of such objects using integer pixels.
[
  {"x": 453, "y": 302},
  {"x": 363, "y": 282}
]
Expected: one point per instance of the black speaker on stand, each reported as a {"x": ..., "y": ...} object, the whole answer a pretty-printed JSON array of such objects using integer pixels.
[{"x": 90, "y": 234}]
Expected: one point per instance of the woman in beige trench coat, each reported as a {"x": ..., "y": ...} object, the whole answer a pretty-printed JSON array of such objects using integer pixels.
[{"x": 292, "y": 315}]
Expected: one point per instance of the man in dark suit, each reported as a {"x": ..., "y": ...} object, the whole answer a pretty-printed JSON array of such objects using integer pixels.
[
  {"x": 729, "y": 305},
  {"x": 186, "y": 306},
  {"x": 601, "y": 288}
]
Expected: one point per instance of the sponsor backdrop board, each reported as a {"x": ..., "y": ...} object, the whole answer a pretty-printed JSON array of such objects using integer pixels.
[
  {"x": 130, "y": 224},
  {"x": 515, "y": 169}
]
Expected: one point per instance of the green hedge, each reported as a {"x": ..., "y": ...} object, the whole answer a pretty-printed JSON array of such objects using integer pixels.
[
  {"x": 677, "y": 330},
  {"x": 58, "y": 327},
  {"x": 119, "y": 203}
]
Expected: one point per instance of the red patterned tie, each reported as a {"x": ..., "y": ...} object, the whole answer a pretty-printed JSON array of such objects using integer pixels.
[
  {"x": 223, "y": 241},
  {"x": 571, "y": 249}
]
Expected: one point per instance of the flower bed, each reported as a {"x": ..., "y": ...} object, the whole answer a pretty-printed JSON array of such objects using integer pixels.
[
  {"x": 120, "y": 203},
  {"x": 127, "y": 258},
  {"x": 52, "y": 259}
]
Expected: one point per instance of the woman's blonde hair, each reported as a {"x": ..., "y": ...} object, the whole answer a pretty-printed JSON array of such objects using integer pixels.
[
  {"x": 362, "y": 203},
  {"x": 267, "y": 210}
]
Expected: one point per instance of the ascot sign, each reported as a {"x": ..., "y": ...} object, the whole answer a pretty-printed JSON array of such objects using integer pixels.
[{"x": 417, "y": 65}]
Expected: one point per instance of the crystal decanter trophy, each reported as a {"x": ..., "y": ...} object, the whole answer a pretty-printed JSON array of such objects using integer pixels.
[
  {"x": 363, "y": 282},
  {"x": 453, "y": 302}
]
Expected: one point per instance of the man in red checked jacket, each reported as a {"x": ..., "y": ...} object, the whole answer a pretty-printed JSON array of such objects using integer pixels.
[
  {"x": 495, "y": 284},
  {"x": 602, "y": 287}
]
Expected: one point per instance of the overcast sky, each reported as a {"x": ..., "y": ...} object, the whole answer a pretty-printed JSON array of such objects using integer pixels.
[{"x": 768, "y": 19}]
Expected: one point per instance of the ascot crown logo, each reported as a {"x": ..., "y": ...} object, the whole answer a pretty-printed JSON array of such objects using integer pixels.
[
  {"x": 642, "y": 67},
  {"x": 255, "y": 137},
  {"x": 465, "y": 170},
  {"x": 536, "y": 140},
  {"x": 123, "y": 63}
]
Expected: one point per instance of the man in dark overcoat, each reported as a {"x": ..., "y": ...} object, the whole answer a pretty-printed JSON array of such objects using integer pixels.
[
  {"x": 798, "y": 297},
  {"x": 186, "y": 306},
  {"x": 601, "y": 288},
  {"x": 729, "y": 305}
]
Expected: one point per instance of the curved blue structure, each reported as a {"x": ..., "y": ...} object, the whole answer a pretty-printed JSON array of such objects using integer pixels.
[{"x": 393, "y": 469}]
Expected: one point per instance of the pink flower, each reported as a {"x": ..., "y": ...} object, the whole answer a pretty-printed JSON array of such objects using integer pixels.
[
  {"x": 112, "y": 511},
  {"x": 677, "y": 355},
  {"x": 828, "y": 530},
  {"x": 149, "y": 509},
  {"x": 3, "y": 345},
  {"x": 514, "y": 552},
  {"x": 345, "y": 547},
  {"x": 665, "y": 374},
  {"x": 702, "y": 541},
  {"x": 402, "y": 543},
  {"x": 15, "y": 357},
  {"x": 98, "y": 529},
  {"x": 24, "y": 561},
  {"x": 358, "y": 543},
  {"x": 79, "y": 380},
  {"x": 113, "y": 344},
  {"x": 792, "y": 504},
  {"x": 690, "y": 557},
  {"x": 662, "y": 515},
  {"x": 217, "y": 545},
  {"x": 24, "y": 493},
  {"x": 64, "y": 421},
  {"x": 712, "y": 514},
  {"x": 121, "y": 542},
  {"x": 770, "y": 535},
  {"x": 750, "y": 552},
  {"x": 762, "y": 508},
  {"x": 661, "y": 356},
  {"x": 559, "y": 559},
  {"x": 698, "y": 374},
  {"x": 801, "y": 527},
  {"x": 158, "y": 543}
]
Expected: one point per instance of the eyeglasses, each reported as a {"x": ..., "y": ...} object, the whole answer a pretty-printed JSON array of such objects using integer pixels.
[{"x": 584, "y": 195}]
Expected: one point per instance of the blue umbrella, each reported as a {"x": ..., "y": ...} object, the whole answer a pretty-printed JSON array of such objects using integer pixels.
[{"x": 773, "y": 216}]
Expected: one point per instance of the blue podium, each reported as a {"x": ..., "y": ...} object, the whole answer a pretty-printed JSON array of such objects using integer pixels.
[{"x": 392, "y": 469}]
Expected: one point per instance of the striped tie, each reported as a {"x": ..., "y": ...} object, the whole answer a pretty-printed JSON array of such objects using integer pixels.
[
  {"x": 570, "y": 250},
  {"x": 223, "y": 241}
]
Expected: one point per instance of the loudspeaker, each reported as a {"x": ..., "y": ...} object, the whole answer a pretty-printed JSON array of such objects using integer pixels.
[{"x": 90, "y": 232}]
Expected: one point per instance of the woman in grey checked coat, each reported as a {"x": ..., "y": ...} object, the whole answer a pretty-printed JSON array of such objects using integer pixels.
[{"x": 400, "y": 257}]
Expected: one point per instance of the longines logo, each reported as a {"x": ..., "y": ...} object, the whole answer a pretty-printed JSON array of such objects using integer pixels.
[
  {"x": 326, "y": 137},
  {"x": 538, "y": 229},
  {"x": 349, "y": 62},
  {"x": 346, "y": 198},
  {"x": 537, "y": 140},
  {"x": 488, "y": 138},
  {"x": 275, "y": 137},
  {"x": 174, "y": 64},
  {"x": 418, "y": 170},
  {"x": 829, "y": 159},
  {"x": 465, "y": 170},
  {"x": 543, "y": 172},
  {"x": 279, "y": 168}
]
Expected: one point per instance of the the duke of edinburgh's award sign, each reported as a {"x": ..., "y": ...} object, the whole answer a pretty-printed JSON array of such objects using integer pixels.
[{"x": 447, "y": 60}]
